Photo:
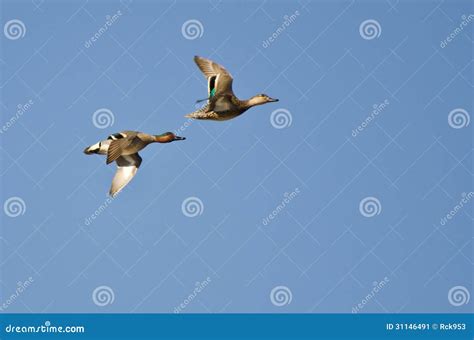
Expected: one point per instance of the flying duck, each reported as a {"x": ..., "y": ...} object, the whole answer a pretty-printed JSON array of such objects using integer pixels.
[
  {"x": 222, "y": 104},
  {"x": 123, "y": 148}
]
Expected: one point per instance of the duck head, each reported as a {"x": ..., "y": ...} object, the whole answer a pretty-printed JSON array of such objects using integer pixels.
[
  {"x": 167, "y": 137},
  {"x": 260, "y": 99}
]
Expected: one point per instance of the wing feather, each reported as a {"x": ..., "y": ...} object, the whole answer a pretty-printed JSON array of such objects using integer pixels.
[
  {"x": 128, "y": 144},
  {"x": 115, "y": 150},
  {"x": 219, "y": 79},
  {"x": 127, "y": 167}
]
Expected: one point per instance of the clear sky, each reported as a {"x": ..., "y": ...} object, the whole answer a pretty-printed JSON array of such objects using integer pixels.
[{"x": 339, "y": 191}]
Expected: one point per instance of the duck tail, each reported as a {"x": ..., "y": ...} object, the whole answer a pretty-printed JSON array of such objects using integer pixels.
[
  {"x": 89, "y": 150},
  {"x": 195, "y": 115},
  {"x": 200, "y": 113},
  {"x": 97, "y": 148}
]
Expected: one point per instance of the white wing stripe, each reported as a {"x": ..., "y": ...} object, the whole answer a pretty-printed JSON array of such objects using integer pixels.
[{"x": 127, "y": 167}]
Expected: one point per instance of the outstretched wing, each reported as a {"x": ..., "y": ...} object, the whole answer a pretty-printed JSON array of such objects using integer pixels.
[
  {"x": 127, "y": 167},
  {"x": 219, "y": 79}
]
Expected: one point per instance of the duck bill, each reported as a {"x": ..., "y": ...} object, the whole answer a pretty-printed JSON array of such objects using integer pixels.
[
  {"x": 179, "y": 138},
  {"x": 272, "y": 100}
]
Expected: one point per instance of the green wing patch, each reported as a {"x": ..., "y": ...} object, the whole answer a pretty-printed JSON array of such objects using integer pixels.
[{"x": 212, "y": 86}]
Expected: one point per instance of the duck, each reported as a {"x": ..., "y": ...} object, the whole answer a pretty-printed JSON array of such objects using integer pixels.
[
  {"x": 123, "y": 148},
  {"x": 222, "y": 104}
]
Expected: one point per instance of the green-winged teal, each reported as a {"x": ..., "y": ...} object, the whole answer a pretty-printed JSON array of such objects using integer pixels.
[
  {"x": 123, "y": 148},
  {"x": 222, "y": 104}
]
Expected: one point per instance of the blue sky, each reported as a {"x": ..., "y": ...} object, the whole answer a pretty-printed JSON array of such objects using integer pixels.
[{"x": 350, "y": 211}]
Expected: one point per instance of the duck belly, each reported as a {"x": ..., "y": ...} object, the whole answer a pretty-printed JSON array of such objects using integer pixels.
[{"x": 212, "y": 115}]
